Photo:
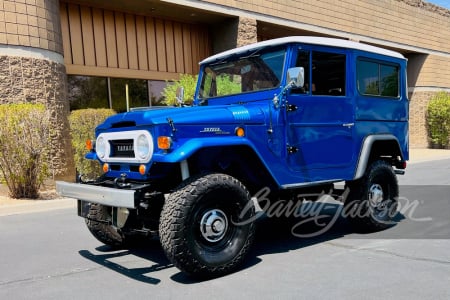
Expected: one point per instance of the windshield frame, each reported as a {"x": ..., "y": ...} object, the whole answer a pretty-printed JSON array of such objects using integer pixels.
[{"x": 262, "y": 63}]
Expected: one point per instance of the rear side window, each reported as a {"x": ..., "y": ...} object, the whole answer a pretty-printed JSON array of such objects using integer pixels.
[{"x": 377, "y": 79}]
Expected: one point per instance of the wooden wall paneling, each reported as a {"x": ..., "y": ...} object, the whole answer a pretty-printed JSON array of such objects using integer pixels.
[
  {"x": 170, "y": 47},
  {"x": 203, "y": 44},
  {"x": 187, "y": 49},
  {"x": 65, "y": 31},
  {"x": 99, "y": 37},
  {"x": 96, "y": 40},
  {"x": 110, "y": 37},
  {"x": 195, "y": 50},
  {"x": 161, "y": 45},
  {"x": 76, "y": 39},
  {"x": 130, "y": 27},
  {"x": 152, "y": 52},
  {"x": 121, "y": 40},
  {"x": 179, "y": 47},
  {"x": 141, "y": 43},
  {"x": 87, "y": 31},
  {"x": 120, "y": 73}
]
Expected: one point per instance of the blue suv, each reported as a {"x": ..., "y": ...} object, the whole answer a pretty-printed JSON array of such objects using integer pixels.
[{"x": 292, "y": 116}]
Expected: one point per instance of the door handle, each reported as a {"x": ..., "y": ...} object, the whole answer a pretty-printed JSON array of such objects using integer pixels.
[{"x": 348, "y": 125}]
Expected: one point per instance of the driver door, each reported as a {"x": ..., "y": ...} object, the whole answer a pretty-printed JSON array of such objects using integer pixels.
[{"x": 320, "y": 118}]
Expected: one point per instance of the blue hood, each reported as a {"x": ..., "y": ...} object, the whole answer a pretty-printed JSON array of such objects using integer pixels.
[{"x": 227, "y": 114}]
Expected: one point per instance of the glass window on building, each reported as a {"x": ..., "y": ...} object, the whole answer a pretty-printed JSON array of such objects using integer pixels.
[
  {"x": 137, "y": 93},
  {"x": 87, "y": 92},
  {"x": 155, "y": 88},
  {"x": 93, "y": 92}
]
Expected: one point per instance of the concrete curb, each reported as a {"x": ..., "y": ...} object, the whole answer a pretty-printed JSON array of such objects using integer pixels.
[{"x": 423, "y": 155}]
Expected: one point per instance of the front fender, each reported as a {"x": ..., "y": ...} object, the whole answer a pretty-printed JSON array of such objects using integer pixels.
[{"x": 192, "y": 145}]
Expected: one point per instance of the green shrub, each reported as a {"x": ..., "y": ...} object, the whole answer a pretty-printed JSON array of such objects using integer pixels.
[
  {"x": 188, "y": 82},
  {"x": 82, "y": 126},
  {"x": 438, "y": 119},
  {"x": 24, "y": 147},
  {"x": 226, "y": 86}
]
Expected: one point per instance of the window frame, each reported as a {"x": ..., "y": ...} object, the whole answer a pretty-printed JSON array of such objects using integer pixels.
[
  {"x": 200, "y": 93},
  {"x": 380, "y": 64},
  {"x": 311, "y": 49}
]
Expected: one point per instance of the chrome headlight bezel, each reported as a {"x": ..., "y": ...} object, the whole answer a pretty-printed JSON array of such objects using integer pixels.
[
  {"x": 100, "y": 147},
  {"x": 143, "y": 146}
]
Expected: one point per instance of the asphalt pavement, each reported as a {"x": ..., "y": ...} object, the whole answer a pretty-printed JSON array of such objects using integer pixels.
[{"x": 47, "y": 253}]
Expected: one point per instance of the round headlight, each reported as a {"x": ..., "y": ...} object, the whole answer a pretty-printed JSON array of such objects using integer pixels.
[
  {"x": 100, "y": 147},
  {"x": 142, "y": 146}
]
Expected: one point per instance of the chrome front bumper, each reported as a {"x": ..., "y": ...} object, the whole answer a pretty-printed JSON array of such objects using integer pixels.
[{"x": 97, "y": 194}]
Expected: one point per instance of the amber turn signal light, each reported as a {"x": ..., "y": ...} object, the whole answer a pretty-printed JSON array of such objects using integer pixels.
[
  {"x": 90, "y": 145},
  {"x": 164, "y": 142},
  {"x": 240, "y": 131},
  {"x": 142, "y": 169},
  {"x": 105, "y": 167}
]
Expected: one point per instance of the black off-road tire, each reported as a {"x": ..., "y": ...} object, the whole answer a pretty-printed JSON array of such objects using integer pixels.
[
  {"x": 371, "y": 204},
  {"x": 101, "y": 230},
  {"x": 206, "y": 226}
]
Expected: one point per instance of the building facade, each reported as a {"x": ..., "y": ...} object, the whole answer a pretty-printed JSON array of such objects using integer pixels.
[{"x": 75, "y": 54}]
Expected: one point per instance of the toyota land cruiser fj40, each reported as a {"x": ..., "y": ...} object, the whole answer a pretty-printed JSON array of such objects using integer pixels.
[{"x": 289, "y": 115}]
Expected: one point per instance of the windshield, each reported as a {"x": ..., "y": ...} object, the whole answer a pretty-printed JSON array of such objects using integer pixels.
[{"x": 258, "y": 70}]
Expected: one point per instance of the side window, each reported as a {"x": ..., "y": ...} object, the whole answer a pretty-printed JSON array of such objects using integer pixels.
[
  {"x": 324, "y": 73},
  {"x": 328, "y": 74},
  {"x": 389, "y": 81},
  {"x": 377, "y": 79}
]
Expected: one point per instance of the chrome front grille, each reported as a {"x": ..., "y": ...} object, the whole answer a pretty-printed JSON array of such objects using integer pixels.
[{"x": 122, "y": 148}]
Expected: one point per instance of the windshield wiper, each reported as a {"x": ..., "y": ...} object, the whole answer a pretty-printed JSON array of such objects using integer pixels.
[
  {"x": 253, "y": 54},
  {"x": 203, "y": 102}
]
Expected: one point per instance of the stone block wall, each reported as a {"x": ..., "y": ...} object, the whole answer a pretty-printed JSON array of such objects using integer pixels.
[
  {"x": 418, "y": 134},
  {"x": 247, "y": 32},
  {"x": 32, "y": 80},
  {"x": 31, "y": 23},
  {"x": 32, "y": 69}
]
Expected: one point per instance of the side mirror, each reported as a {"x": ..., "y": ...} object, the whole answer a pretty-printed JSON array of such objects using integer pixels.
[
  {"x": 180, "y": 95},
  {"x": 296, "y": 77}
]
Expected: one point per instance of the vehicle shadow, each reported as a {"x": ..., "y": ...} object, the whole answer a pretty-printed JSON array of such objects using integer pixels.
[
  {"x": 273, "y": 235},
  {"x": 116, "y": 260}
]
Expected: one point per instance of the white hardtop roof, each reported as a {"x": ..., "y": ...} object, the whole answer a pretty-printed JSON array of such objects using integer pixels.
[{"x": 341, "y": 43}]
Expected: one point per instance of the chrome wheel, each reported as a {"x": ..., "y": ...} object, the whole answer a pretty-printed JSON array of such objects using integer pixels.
[
  {"x": 214, "y": 225},
  {"x": 377, "y": 202},
  {"x": 376, "y": 195},
  {"x": 372, "y": 200}
]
